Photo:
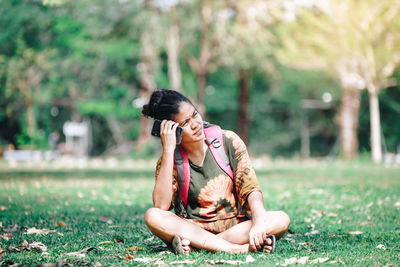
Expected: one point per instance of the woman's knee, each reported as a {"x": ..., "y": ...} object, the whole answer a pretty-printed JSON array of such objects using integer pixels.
[
  {"x": 285, "y": 219},
  {"x": 153, "y": 216}
]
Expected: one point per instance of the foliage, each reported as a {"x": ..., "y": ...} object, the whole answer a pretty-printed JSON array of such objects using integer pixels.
[{"x": 88, "y": 55}]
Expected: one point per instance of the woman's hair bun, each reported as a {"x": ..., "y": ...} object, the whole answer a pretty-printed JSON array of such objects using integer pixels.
[
  {"x": 151, "y": 108},
  {"x": 163, "y": 104}
]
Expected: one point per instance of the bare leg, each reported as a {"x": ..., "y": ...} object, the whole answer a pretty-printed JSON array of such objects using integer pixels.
[{"x": 165, "y": 225}]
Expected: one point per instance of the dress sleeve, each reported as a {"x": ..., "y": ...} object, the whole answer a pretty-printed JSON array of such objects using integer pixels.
[
  {"x": 174, "y": 181},
  {"x": 245, "y": 176}
]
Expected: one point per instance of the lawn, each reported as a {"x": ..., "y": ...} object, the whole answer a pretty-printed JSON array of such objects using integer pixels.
[{"x": 341, "y": 213}]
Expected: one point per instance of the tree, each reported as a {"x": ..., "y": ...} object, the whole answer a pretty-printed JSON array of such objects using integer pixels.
[
  {"x": 357, "y": 41},
  {"x": 247, "y": 48}
]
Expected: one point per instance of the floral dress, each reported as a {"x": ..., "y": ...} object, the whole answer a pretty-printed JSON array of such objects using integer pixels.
[{"x": 213, "y": 195}]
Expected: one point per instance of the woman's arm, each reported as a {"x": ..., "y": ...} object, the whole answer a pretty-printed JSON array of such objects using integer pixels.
[
  {"x": 257, "y": 232},
  {"x": 162, "y": 193}
]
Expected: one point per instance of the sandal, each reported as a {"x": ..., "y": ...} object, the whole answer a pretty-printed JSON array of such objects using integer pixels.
[
  {"x": 273, "y": 239},
  {"x": 176, "y": 244}
]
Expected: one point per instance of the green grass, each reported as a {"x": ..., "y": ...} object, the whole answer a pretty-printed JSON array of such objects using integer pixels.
[{"x": 332, "y": 199}]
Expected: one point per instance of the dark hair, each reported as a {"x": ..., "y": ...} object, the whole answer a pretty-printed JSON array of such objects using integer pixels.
[{"x": 164, "y": 104}]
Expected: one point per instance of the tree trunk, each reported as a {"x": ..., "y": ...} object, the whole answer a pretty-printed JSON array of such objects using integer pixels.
[
  {"x": 244, "y": 99},
  {"x": 375, "y": 124},
  {"x": 350, "y": 106},
  {"x": 30, "y": 118},
  {"x": 201, "y": 83},
  {"x": 148, "y": 84},
  {"x": 174, "y": 71}
]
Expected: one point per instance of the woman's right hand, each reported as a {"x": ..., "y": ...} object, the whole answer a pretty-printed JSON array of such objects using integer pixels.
[{"x": 168, "y": 135}]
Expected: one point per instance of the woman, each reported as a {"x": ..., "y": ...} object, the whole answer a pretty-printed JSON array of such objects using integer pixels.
[{"x": 213, "y": 221}]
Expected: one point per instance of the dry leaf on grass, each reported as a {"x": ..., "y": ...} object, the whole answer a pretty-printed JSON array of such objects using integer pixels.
[
  {"x": 397, "y": 204},
  {"x": 35, "y": 246},
  {"x": 381, "y": 246},
  {"x": 33, "y": 230},
  {"x": 61, "y": 224},
  {"x": 1, "y": 224},
  {"x": 249, "y": 258},
  {"x": 294, "y": 260},
  {"x": 313, "y": 232},
  {"x": 118, "y": 240},
  {"x": 320, "y": 260},
  {"x": 105, "y": 243},
  {"x": 135, "y": 248},
  {"x": 127, "y": 257},
  {"x": 183, "y": 262},
  {"x": 355, "y": 233},
  {"x": 229, "y": 262},
  {"x": 80, "y": 253},
  {"x": 6, "y": 236},
  {"x": 104, "y": 218},
  {"x": 1, "y": 253},
  {"x": 150, "y": 239},
  {"x": 3, "y": 208}
]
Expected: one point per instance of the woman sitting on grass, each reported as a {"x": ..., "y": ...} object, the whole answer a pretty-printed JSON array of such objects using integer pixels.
[{"x": 222, "y": 213}]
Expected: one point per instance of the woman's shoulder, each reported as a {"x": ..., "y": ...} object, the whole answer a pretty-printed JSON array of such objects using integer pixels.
[{"x": 232, "y": 139}]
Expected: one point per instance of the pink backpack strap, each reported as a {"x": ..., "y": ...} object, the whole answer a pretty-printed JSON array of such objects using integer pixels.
[
  {"x": 215, "y": 142},
  {"x": 183, "y": 170}
]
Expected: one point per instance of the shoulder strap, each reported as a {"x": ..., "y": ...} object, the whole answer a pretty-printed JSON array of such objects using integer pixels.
[{"x": 215, "y": 142}]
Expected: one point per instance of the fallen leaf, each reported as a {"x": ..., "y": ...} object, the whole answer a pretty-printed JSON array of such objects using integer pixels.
[
  {"x": 135, "y": 248},
  {"x": 150, "y": 239},
  {"x": 104, "y": 218},
  {"x": 118, "y": 240},
  {"x": 397, "y": 204},
  {"x": 294, "y": 260},
  {"x": 105, "y": 243},
  {"x": 313, "y": 232},
  {"x": 6, "y": 236},
  {"x": 61, "y": 224},
  {"x": 11, "y": 228},
  {"x": 230, "y": 262},
  {"x": 1, "y": 224},
  {"x": 249, "y": 258},
  {"x": 129, "y": 256},
  {"x": 1, "y": 253},
  {"x": 307, "y": 220},
  {"x": 33, "y": 230},
  {"x": 320, "y": 260},
  {"x": 183, "y": 262},
  {"x": 80, "y": 253},
  {"x": 381, "y": 246},
  {"x": 35, "y": 246},
  {"x": 27, "y": 207},
  {"x": 355, "y": 233},
  {"x": 3, "y": 208},
  {"x": 366, "y": 223}
]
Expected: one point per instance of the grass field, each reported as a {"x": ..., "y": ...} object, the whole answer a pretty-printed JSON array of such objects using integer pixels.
[{"x": 340, "y": 214}]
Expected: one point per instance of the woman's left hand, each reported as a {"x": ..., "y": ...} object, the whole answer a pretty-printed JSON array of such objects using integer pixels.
[{"x": 257, "y": 236}]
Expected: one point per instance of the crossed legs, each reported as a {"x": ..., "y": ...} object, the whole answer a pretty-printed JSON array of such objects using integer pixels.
[{"x": 165, "y": 225}]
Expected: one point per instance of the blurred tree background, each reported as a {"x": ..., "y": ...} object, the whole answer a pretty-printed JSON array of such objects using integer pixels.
[{"x": 293, "y": 78}]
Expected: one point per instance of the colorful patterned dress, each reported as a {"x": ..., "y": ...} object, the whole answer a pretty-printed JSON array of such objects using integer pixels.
[{"x": 213, "y": 196}]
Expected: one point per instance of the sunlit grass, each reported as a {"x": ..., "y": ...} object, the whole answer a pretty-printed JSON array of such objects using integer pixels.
[{"x": 325, "y": 203}]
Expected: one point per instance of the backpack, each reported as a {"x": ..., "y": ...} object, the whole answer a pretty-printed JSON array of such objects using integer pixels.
[{"x": 215, "y": 142}]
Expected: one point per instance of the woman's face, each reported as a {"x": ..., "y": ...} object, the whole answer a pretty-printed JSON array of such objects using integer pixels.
[{"x": 191, "y": 122}]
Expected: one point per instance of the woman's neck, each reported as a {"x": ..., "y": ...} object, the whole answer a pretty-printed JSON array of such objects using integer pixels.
[{"x": 196, "y": 151}]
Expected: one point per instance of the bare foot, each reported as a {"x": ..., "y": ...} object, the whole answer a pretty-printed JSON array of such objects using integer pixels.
[
  {"x": 186, "y": 246},
  {"x": 268, "y": 245}
]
